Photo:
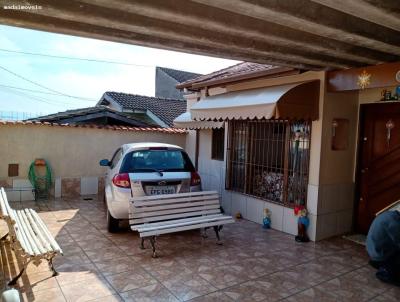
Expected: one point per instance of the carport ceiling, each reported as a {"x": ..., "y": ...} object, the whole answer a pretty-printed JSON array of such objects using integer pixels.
[{"x": 307, "y": 34}]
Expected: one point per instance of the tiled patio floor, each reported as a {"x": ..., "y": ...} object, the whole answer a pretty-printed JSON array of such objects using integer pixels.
[{"x": 252, "y": 265}]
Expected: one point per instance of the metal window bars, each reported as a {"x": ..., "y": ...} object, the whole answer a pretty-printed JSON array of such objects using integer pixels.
[{"x": 269, "y": 159}]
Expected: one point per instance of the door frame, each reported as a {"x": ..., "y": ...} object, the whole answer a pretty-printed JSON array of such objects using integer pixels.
[{"x": 357, "y": 191}]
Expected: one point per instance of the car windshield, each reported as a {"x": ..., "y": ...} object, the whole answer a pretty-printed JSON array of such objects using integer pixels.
[{"x": 156, "y": 161}]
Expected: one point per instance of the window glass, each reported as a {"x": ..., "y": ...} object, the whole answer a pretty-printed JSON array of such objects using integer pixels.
[
  {"x": 218, "y": 144},
  {"x": 156, "y": 160},
  {"x": 116, "y": 157}
]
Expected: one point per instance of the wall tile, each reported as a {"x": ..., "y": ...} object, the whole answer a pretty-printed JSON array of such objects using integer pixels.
[
  {"x": 312, "y": 199},
  {"x": 289, "y": 221},
  {"x": 312, "y": 230},
  {"x": 21, "y": 183},
  {"x": 254, "y": 210},
  {"x": 327, "y": 223},
  {"x": 226, "y": 201},
  {"x": 57, "y": 187},
  {"x": 344, "y": 222},
  {"x": 276, "y": 215},
  {"x": 347, "y": 198},
  {"x": 89, "y": 185},
  {"x": 70, "y": 187},
  {"x": 239, "y": 204}
]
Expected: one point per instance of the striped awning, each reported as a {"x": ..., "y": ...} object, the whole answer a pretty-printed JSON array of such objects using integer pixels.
[
  {"x": 291, "y": 101},
  {"x": 185, "y": 121}
]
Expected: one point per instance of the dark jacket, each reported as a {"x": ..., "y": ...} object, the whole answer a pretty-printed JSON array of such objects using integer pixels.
[{"x": 383, "y": 239}]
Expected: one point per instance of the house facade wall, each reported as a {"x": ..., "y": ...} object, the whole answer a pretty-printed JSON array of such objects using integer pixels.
[
  {"x": 330, "y": 198},
  {"x": 72, "y": 152}
]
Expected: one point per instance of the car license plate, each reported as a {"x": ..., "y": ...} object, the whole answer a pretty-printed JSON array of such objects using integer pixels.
[{"x": 159, "y": 190}]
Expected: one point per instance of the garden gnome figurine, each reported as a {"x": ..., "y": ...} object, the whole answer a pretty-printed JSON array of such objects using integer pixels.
[
  {"x": 302, "y": 225},
  {"x": 267, "y": 219}
]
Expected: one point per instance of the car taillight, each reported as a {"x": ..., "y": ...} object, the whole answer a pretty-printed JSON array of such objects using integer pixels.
[
  {"x": 122, "y": 180},
  {"x": 195, "y": 179}
]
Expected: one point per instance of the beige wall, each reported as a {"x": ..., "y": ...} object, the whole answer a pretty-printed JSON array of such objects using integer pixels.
[{"x": 71, "y": 152}]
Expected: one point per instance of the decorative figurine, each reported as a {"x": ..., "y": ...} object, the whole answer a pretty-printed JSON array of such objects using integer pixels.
[
  {"x": 267, "y": 219},
  {"x": 302, "y": 224},
  {"x": 386, "y": 95}
]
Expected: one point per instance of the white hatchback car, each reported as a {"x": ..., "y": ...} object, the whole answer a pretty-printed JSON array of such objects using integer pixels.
[{"x": 142, "y": 169}]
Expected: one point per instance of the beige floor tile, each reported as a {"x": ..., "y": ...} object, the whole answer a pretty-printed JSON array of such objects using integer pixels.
[
  {"x": 188, "y": 286},
  {"x": 154, "y": 293},
  {"x": 213, "y": 297},
  {"x": 86, "y": 291},
  {"x": 105, "y": 254},
  {"x": 254, "y": 291},
  {"x": 112, "y": 298},
  {"x": 116, "y": 265},
  {"x": 50, "y": 294},
  {"x": 130, "y": 280}
]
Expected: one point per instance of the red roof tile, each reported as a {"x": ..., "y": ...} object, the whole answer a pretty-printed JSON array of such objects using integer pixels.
[
  {"x": 243, "y": 70},
  {"x": 107, "y": 127}
]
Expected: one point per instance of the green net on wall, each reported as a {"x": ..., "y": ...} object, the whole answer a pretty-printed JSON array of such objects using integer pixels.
[{"x": 40, "y": 177}]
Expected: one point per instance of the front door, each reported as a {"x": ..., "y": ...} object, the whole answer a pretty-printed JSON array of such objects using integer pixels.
[{"x": 379, "y": 161}]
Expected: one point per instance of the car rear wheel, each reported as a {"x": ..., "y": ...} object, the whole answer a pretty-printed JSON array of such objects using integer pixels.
[{"x": 112, "y": 223}]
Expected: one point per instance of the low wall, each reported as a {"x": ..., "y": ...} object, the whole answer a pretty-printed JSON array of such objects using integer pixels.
[{"x": 72, "y": 152}]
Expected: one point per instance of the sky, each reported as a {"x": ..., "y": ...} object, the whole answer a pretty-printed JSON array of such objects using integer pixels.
[{"x": 87, "y": 80}]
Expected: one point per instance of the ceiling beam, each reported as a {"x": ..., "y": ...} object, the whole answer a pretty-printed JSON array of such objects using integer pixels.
[
  {"x": 216, "y": 20},
  {"x": 94, "y": 15},
  {"x": 316, "y": 19},
  {"x": 370, "y": 10},
  {"x": 52, "y": 24}
]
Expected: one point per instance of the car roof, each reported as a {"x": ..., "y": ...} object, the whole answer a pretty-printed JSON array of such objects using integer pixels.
[{"x": 141, "y": 146}]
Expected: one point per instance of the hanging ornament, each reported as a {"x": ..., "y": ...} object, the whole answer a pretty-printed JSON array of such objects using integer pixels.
[
  {"x": 389, "y": 127},
  {"x": 364, "y": 79}
]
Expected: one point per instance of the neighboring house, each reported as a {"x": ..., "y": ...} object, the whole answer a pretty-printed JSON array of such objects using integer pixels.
[
  {"x": 99, "y": 115},
  {"x": 161, "y": 111},
  {"x": 271, "y": 137},
  {"x": 167, "y": 79}
]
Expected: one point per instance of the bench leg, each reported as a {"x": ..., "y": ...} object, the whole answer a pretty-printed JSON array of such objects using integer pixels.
[
  {"x": 51, "y": 266},
  {"x": 4, "y": 237},
  {"x": 15, "y": 279},
  {"x": 217, "y": 229},
  {"x": 153, "y": 245},
  {"x": 142, "y": 244}
]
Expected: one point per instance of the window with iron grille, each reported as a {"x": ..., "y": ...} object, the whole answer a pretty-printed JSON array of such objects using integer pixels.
[
  {"x": 218, "y": 144},
  {"x": 269, "y": 159}
]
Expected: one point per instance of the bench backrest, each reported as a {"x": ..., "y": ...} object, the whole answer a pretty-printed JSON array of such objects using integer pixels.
[
  {"x": 28, "y": 228},
  {"x": 173, "y": 206},
  {"x": 4, "y": 205}
]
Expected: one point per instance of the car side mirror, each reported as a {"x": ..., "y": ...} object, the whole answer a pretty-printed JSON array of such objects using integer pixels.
[{"x": 104, "y": 163}]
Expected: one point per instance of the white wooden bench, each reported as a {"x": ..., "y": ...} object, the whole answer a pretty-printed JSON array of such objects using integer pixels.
[
  {"x": 162, "y": 214},
  {"x": 29, "y": 237}
]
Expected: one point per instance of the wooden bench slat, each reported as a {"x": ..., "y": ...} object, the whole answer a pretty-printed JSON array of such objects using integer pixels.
[
  {"x": 136, "y": 226},
  {"x": 178, "y": 223},
  {"x": 176, "y": 195},
  {"x": 174, "y": 216},
  {"x": 3, "y": 207},
  {"x": 183, "y": 228},
  {"x": 175, "y": 211},
  {"x": 38, "y": 232},
  {"x": 46, "y": 232},
  {"x": 30, "y": 234},
  {"x": 143, "y": 202},
  {"x": 21, "y": 228},
  {"x": 174, "y": 206}
]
